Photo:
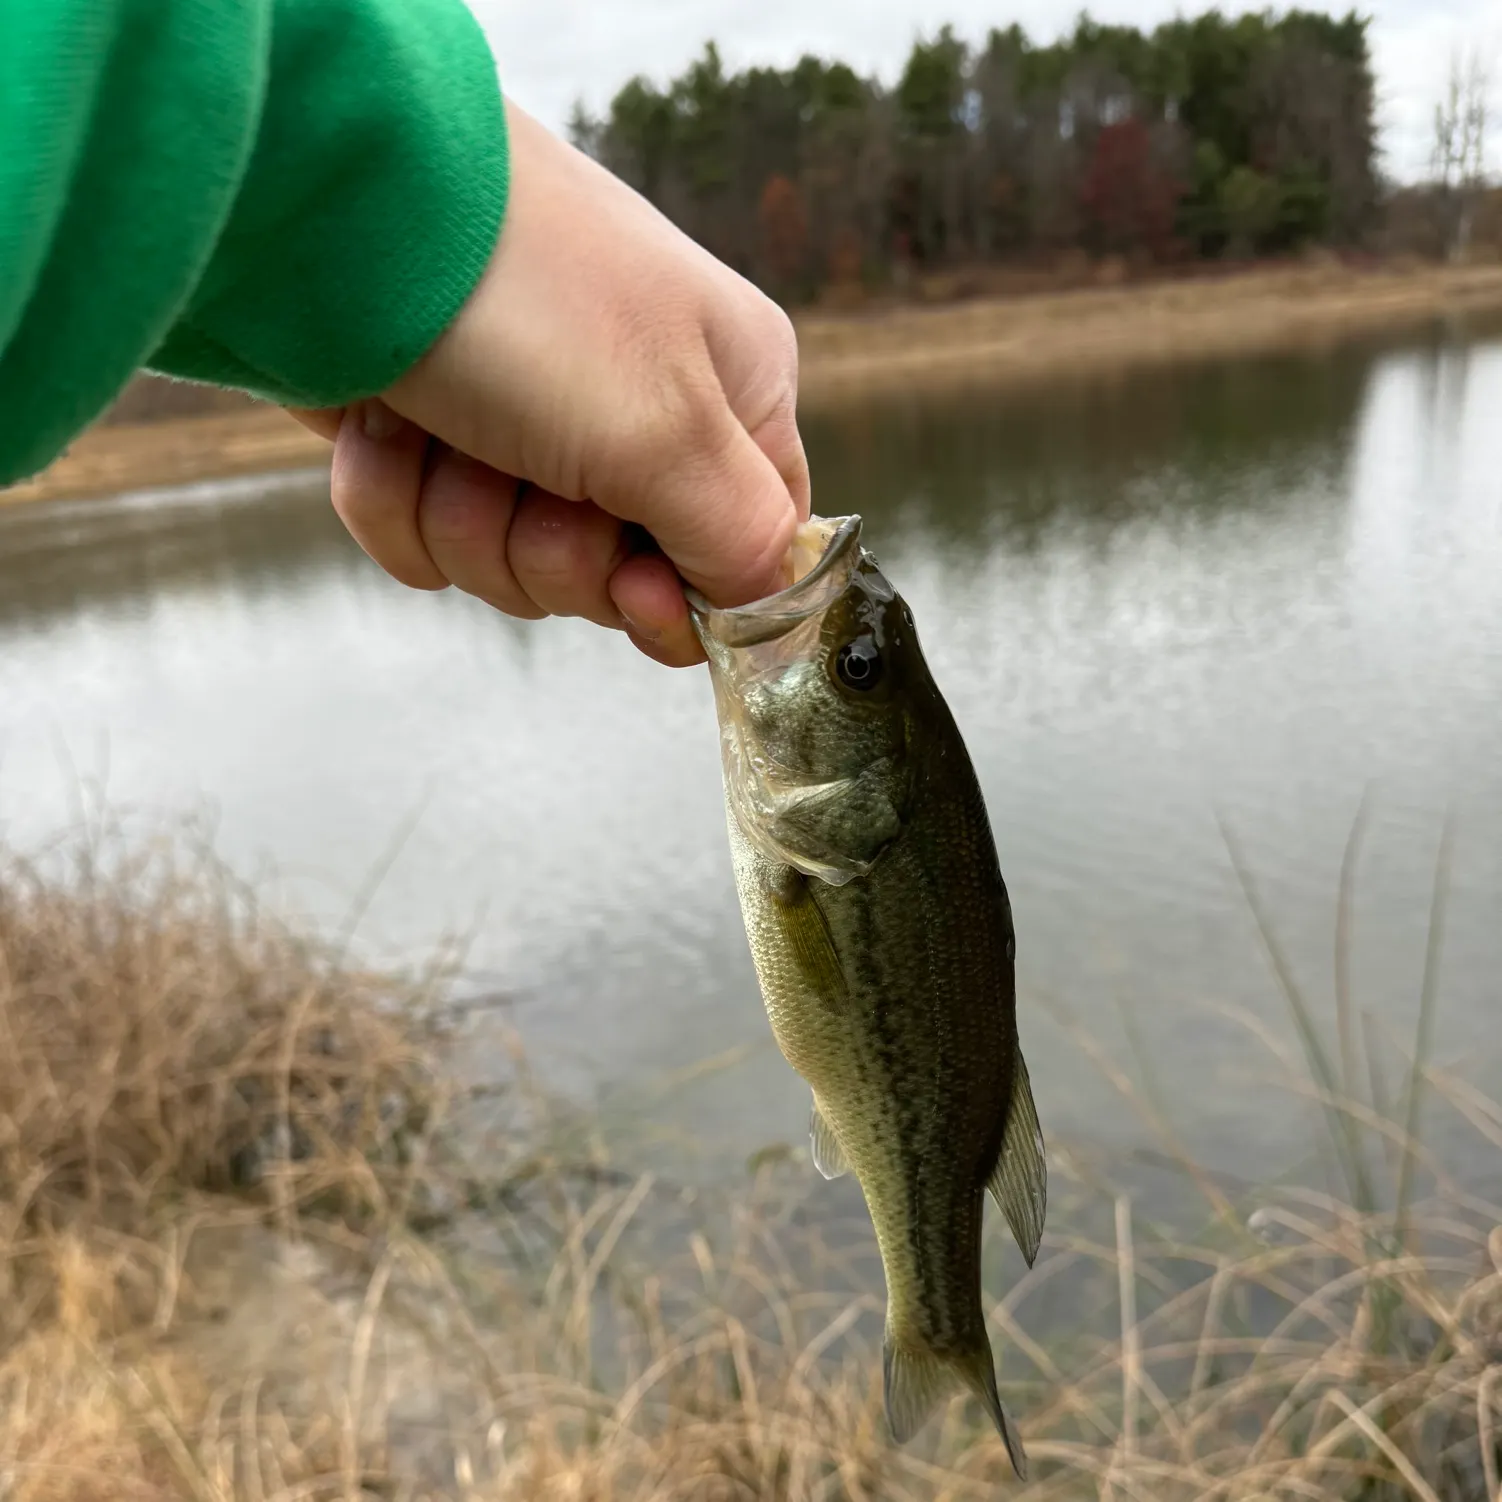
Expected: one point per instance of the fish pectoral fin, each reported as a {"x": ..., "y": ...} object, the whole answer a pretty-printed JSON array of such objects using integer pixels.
[
  {"x": 808, "y": 938},
  {"x": 917, "y": 1380},
  {"x": 829, "y": 1156},
  {"x": 1019, "y": 1182}
]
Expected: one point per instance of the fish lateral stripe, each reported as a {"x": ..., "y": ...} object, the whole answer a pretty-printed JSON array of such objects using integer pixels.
[{"x": 881, "y": 930}]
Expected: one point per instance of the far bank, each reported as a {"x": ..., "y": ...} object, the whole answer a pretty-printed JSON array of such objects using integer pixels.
[{"x": 161, "y": 435}]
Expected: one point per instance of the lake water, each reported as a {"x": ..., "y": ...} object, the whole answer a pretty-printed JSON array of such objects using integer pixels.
[{"x": 1253, "y": 591}]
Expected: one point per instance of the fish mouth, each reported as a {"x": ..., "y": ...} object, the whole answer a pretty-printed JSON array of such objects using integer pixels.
[
  {"x": 824, "y": 556},
  {"x": 769, "y": 646}
]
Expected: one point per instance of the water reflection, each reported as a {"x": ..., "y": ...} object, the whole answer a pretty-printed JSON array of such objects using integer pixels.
[
  {"x": 1090, "y": 457},
  {"x": 1251, "y": 590},
  {"x": 246, "y": 538}
]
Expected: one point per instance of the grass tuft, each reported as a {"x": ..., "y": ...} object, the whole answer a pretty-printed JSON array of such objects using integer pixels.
[{"x": 245, "y": 1252}]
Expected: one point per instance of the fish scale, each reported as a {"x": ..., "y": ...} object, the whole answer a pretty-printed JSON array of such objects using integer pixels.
[{"x": 881, "y": 932}]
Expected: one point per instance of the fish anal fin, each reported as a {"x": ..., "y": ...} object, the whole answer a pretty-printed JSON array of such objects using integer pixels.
[
  {"x": 1019, "y": 1182},
  {"x": 918, "y": 1380},
  {"x": 829, "y": 1156}
]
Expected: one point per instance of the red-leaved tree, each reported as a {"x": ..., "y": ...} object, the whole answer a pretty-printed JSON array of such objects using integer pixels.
[
  {"x": 1127, "y": 199},
  {"x": 784, "y": 229},
  {"x": 845, "y": 260}
]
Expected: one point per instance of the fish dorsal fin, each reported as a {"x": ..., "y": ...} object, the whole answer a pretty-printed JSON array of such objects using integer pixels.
[
  {"x": 917, "y": 1380},
  {"x": 829, "y": 1156},
  {"x": 1019, "y": 1182}
]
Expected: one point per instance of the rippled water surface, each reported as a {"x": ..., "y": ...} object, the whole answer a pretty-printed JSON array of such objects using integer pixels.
[{"x": 1247, "y": 592}]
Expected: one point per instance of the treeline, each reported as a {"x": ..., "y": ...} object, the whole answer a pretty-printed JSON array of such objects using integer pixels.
[{"x": 1208, "y": 136}]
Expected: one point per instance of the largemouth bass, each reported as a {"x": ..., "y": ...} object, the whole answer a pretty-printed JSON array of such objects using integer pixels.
[{"x": 882, "y": 936}]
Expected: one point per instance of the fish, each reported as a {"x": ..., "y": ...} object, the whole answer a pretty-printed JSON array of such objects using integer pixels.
[{"x": 881, "y": 931}]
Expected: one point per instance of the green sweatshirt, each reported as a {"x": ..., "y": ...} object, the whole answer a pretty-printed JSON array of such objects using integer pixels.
[{"x": 292, "y": 197}]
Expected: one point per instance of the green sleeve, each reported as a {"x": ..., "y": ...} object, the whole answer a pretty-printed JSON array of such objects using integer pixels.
[{"x": 292, "y": 197}]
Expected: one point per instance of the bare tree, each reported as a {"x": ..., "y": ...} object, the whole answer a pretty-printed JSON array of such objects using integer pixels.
[{"x": 1461, "y": 120}]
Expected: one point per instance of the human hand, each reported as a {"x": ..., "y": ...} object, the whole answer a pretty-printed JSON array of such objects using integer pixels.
[{"x": 627, "y": 377}]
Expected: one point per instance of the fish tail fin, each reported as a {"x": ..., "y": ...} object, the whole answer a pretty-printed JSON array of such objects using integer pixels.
[{"x": 918, "y": 1378}]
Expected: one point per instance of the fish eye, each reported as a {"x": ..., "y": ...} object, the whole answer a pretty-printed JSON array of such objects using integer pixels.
[{"x": 858, "y": 664}]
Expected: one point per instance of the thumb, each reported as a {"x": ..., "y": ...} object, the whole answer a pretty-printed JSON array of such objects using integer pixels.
[
  {"x": 325, "y": 421},
  {"x": 725, "y": 514}
]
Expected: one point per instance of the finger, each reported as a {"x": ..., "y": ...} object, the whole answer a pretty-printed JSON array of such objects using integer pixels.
[
  {"x": 794, "y": 472},
  {"x": 321, "y": 420},
  {"x": 463, "y": 517},
  {"x": 375, "y": 484},
  {"x": 718, "y": 508},
  {"x": 648, "y": 593},
  {"x": 563, "y": 554},
  {"x": 664, "y": 655},
  {"x": 779, "y": 440}
]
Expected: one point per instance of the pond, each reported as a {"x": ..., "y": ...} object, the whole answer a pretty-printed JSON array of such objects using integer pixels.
[{"x": 1240, "y": 595}]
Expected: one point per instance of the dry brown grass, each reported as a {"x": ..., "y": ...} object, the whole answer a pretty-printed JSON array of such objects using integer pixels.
[
  {"x": 244, "y": 1256},
  {"x": 1054, "y": 335}
]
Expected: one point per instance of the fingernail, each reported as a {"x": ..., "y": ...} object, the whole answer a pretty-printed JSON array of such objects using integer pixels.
[
  {"x": 379, "y": 421},
  {"x": 646, "y": 633}
]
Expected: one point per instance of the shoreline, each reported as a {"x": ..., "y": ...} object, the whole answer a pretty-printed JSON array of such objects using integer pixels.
[
  {"x": 1052, "y": 336},
  {"x": 1039, "y": 337}
]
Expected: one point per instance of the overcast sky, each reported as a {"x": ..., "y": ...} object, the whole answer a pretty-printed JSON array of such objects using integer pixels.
[{"x": 552, "y": 52}]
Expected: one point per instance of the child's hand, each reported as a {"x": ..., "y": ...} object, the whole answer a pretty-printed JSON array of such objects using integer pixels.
[{"x": 626, "y": 376}]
